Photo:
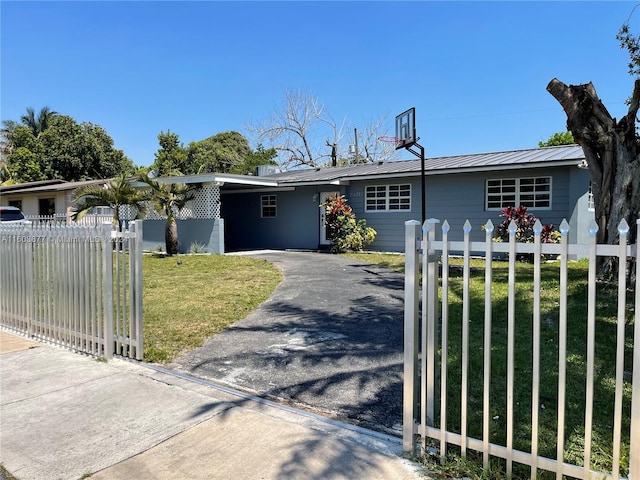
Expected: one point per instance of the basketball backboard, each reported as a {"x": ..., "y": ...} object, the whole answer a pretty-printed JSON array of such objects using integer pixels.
[{"x": 406, "y": 128}]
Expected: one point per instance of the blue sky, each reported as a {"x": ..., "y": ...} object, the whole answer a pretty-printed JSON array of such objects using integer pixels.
[{"x": 476, "y": 72}]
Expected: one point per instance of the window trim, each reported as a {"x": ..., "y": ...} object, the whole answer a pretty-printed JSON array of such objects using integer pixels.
[
  {"x": 266, "y": 206},
  {"x": 518, "y": 193},
  {"x": 387, "y": 197}
]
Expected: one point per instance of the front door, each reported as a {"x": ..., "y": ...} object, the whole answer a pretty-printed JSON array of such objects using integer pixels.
[{"x": 324, "y": 237}]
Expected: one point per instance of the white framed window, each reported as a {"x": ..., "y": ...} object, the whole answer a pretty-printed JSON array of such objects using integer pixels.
[
  {"x": 268, "y": 206},
  {"x": 101, "y": 211},
  {"x": 591, "y": 204},
  {"x": 530, "y": 192},
  {"x": 387, "y": 198}
]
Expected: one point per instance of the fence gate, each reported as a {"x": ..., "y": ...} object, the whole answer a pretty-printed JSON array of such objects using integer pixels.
[
  {"x": 505, "y": 363},
  {"x": 75, "y": 286}
]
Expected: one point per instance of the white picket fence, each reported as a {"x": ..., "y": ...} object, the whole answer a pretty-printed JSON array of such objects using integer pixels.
[
  {"x": 428, "y": 353},
  {"x": 75, "y": 286},
  {"x": 92, "y": 219}
]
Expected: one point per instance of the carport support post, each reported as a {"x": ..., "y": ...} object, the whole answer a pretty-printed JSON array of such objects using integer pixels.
[{"x": 413, "y": 240}]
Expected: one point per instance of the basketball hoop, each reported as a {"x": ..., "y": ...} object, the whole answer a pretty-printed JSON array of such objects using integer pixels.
[{"x": 398, "y": 142}]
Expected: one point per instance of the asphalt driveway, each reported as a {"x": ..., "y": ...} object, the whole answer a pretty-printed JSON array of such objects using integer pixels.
[{"x": 329, "y": 339}]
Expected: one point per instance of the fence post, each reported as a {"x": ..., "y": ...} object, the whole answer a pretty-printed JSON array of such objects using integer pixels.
[
  {"x": 136, "y": 282},
  {"x": 29, "y": 283},
  {"x": 107, "y": 266},
  {"x": 634, "y": 438},
  {"x": 429, "y": 316},
  {"x": 413, "y": 239}
]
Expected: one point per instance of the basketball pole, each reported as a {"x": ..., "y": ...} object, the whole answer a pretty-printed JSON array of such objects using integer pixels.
[
  {"x": 422, "y": 176},
  {"x": 406, "y": 137}
]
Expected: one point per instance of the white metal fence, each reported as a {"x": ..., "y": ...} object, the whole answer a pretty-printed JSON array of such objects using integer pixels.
[
  {"x": 463, "y": 391},
  {"x": 76, "y": 286},
  {"x": 92, "y": 219}
]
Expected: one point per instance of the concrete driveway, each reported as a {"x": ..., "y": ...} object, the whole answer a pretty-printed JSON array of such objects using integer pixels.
[{"x": 329, "y": 339}]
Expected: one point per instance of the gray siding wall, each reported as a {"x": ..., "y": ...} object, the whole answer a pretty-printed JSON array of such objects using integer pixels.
[
  {"x": 207, "y": 232},
  {"x": 388, "y": 225},
  {"x": 297, "y": 224},
  {"x": 581, "y": 216},
  {"x": 461, "y": 197}
]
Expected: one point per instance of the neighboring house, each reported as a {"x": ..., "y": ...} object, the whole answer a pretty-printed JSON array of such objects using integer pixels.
[
  {"x": 282, "y": 210},
  {"x": 44, "y": 198}
]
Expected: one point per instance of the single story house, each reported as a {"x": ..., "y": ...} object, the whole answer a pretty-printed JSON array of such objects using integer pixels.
[
  {"x": 552, "y": 182},
  {"x": 281, "y": 210}
]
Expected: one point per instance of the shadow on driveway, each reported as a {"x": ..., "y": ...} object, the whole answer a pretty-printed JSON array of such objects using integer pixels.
[{"x": 329, "y": 339}]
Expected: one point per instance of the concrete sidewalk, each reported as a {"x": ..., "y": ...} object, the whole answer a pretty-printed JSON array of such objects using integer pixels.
[{"x": 65, "y": 415}]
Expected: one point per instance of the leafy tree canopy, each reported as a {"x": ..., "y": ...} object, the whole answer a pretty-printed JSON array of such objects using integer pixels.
[
  {"x": 223, "y": 153},
  {"x": 261, "y": 156},
  {"x": 52, "y": 146},
  {"x": 557, "y": 139},
  {"x": 226, "y": 152},
  {"x": 171, "y": 157}
]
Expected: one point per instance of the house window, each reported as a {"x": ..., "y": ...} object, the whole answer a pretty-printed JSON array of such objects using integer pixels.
[
  {"x": 16, "y": 203},
  {"x": 387, "y": 198},
  {"x": 47, "y": 206},
  {"x": 591, "y": 205},
  {"x": 534, "y": 192},
  {"x": 268, "y": 205},
  {"x": 101, "y": 211}
]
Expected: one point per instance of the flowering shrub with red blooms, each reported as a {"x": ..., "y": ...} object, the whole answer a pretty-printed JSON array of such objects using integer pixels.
[
  {"x": 524, "y": 221},
  {"x": 342, "y": 228}
]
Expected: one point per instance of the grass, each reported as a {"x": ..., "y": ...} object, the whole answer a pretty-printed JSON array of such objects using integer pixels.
[
  {"x": 187, "y": 303},
  {"x": 605, "y": 361},
  {"x": 387, "y": 260}
]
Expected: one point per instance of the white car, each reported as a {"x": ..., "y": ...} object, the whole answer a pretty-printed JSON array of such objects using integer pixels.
[{"x": 12, "y": 215}]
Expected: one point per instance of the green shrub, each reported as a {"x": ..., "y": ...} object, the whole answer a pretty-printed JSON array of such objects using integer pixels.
[
  {"x": 345, "y": 232},
  {"x": 197, "y": 247},
  {"x": 524, "y": 233}
]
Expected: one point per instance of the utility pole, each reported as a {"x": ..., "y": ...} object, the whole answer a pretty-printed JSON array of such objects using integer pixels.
[{"x": 355, "y": 136}]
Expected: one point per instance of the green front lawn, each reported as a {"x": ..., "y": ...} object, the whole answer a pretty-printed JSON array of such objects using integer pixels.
[{"x": 187, "y": 303}]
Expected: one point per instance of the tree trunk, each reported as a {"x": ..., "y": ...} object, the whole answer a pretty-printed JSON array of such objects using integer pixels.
[
  {"x": 611, "y": 150},
  {"x": 171, "y": 236}
]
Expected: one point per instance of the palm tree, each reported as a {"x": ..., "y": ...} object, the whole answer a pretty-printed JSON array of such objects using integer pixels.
[
  {"x": 8, "y": 128},
  {"x": 6, "y": 143},
  {"x": 38, "y": 124},
  {"x": 168, "y": 199},
  {"x": 115, "y": 193}
]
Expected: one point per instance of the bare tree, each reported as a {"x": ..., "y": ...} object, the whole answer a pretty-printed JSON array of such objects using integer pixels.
[
  {"x": 305, "y": 134},
  {"x": 611, "y": 148},
  {"x": 370, "y": 149},
  {"x": 299, "y": 130}
]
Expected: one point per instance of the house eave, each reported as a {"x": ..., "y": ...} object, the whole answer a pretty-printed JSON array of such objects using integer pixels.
[
  {"x": 219, "y": 178},
  {"x": 258, "y": 190},
  {"x": 53, "y": 187}
]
